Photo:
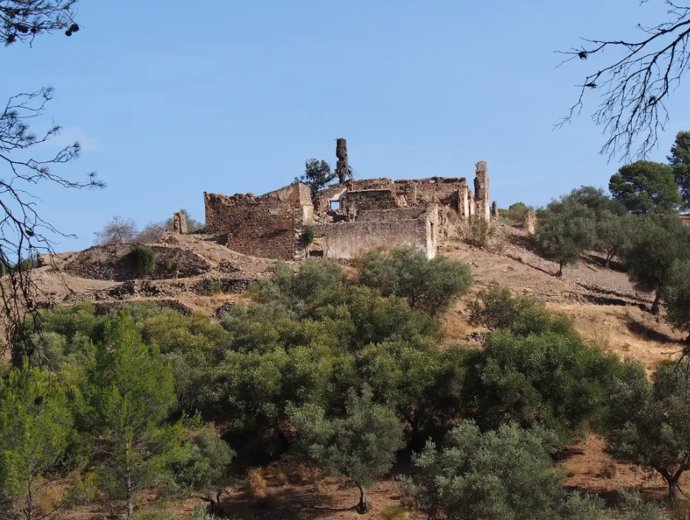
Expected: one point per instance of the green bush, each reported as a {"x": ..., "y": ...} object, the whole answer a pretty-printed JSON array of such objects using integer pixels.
[
  {"x": 142, "y": 259},
  {"x": 427, "y": 285},
  {"x": 496, "y": 308},
  {"x": 497, "y": 475},
  {"x": 479, "y": 232},
  {"x": 516, "y": 212},
  {"x": 565, "y": 229},
  {"x": 548, "y": 379},
  {"x": 307, "y": 236}
]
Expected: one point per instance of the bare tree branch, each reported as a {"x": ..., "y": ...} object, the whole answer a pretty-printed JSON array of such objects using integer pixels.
[
  {"x": 23, "y": 20},
  {"x": 24, "y": 234},
  {"x": 635, "y": 86}
]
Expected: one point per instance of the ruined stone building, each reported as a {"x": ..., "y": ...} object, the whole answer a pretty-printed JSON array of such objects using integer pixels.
[{"x": 349, "y": 217}]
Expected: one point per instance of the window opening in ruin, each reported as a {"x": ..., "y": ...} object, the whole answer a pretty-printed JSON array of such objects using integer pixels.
[
  {"x": 335, "y": 205},
  {"x": 316, "y": 252}
]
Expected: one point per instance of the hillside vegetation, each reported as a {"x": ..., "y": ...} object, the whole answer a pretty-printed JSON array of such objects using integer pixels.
[{"x": 267, "y": 402}]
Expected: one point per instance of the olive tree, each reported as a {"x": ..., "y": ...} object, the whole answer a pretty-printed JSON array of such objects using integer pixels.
[
  {"x": 428, "y": 285},
  {"x": 361, "y": 445},
  {"x": 656, "y": 245},
  {"x": 649, "y": 423},
  {"x": 498, "y": 475},
  {"x": 565, "y": 229}
]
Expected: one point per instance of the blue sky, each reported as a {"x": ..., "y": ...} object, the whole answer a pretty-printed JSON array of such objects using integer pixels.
[{"x": 170, "y": 99}]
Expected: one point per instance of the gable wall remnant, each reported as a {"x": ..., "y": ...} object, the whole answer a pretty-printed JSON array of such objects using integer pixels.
[{"x": 269, "y": 226}]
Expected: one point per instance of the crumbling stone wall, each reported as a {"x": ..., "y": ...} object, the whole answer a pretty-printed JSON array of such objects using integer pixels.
[
  {"x": 355, "y": 202},
  {"x": 179, "y": 223},
  {"x": 390, "y": 215},
  {"x": 378, "y": 228},
  {"x": 434, "y": 190},
  {"x": 270, "y": 225},
  {"x": 406, "y": 193},
  {"x": 348, "y": 217},
  {"x": 529, "y": 222}
]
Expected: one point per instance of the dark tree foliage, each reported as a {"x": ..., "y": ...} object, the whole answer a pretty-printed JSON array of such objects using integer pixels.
[
  {"x": 636, "y": 81},
  {"x": 548, "y": 379},
  {"x": 428, "y": 285},
  {"x": 677, "y": 296},
  {"x": 649, "y": 424},
  {"x": 680, "y": 161},
  {"x": 317, "y": 175},
  {"x": 596, "y": 199},
  {"x": 501, "y": 474},
  {"x": 23, "y": 20},
  {"x": 645, "y": 187},
  {"x": 565, "y": 229},
  {"x": 657, "y": 243},
  {"x": 612, "y": 224}
]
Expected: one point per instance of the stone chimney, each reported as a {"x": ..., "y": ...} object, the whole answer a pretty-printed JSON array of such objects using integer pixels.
[
  {"x": 342, "y": 168},
  {"x": 481, "y": 192}
]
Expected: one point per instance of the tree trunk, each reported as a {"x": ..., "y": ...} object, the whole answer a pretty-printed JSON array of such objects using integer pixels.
[
  {"x": 672, "y": 489},
  {"x": 560, "y": 269},
  {"x": 30, "y": 502},
  {"x": 657, "y": 299},
  {"x": 363, "y": 505},
  {"x": 130, "y": 494},
  {"x": 672, "y": 482},
  {"x": 213, "y": 505}
]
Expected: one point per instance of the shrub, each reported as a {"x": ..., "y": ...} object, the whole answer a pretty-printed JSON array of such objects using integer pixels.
[
  {"x": 496, "y": 308},
  {"x": 257, "y": 484},
  {"x": 500, "y": 474},
  {"x": 142, "y": 259},
  {"x": 395, "y": 512},
  {"x": 550, "y": 379},
  {"x": 307, "y": 236},
  {"x": 516, "y": 212},
  {"x": 479, "y": 232},
  {"x": 427, "y": 285}
]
